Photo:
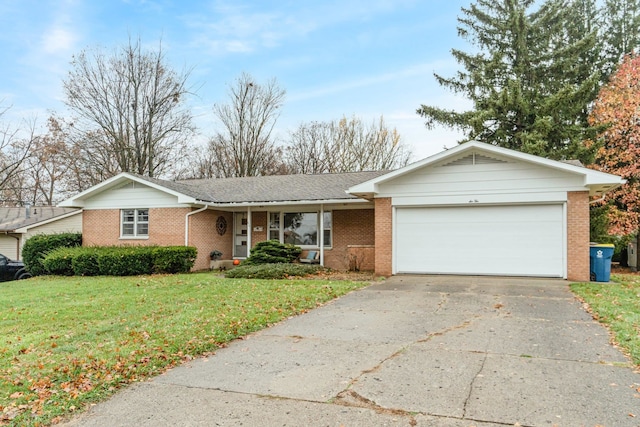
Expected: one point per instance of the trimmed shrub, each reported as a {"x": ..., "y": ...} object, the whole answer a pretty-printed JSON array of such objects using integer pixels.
[
  {"x": 85, "y": 261},
  {"x": 273, "y": 271},
  {"x": 119, "y": 260},
  {"x": 38, "y": 246},
  {"x": 126, "y": 261},
  {"x": 272, "y": 252},
  {"x": 59, "y": 261},
  {"x": 173, "y": 259}
]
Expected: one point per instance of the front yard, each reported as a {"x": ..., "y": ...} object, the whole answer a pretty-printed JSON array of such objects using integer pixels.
[
  {"x": 66, "y": 342},
  {"x": 617, "y": 305}
]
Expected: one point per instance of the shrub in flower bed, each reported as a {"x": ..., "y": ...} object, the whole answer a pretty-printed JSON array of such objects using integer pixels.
[
  {"x": 272, "y": 271},
  {"x": 272, "y": 252}
]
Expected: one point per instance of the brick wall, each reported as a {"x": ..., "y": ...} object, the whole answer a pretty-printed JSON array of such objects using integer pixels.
[
  {"x": 102, "y": 227},
  {"x": 383, "y": 236},
  {"x": 204, "y": 236},
  {"x": 351, "y": 228},
  {"x": 578, "y": 236},
  {"x": 258, "y": 219}
]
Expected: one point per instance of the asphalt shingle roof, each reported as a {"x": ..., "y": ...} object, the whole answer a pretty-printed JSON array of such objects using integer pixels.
[
  {"x": 273, "y": 188},
  {"x": 13, "y": 218}
]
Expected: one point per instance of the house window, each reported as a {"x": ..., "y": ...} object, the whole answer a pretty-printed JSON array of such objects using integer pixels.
[
  {"x": 299, "y": 228},
  {"x": 135, "y": 223}
]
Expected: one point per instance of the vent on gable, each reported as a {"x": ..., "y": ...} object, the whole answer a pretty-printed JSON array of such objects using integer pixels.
[
  {"x": 474, "y": 159},
  {"x": 127, "y": 186}
]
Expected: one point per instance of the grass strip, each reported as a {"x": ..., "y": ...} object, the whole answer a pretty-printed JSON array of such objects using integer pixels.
[
  {"x": 66, "y": 342},
  {"x": 616, "y": 305}
]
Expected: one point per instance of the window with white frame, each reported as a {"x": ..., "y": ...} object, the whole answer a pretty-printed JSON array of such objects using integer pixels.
[
  {"x": 134, "y": 223},
  {"x": 299, "y": 228}
]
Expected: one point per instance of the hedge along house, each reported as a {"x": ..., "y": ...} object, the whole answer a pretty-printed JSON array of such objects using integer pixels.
[{"x": 475, "y": 209}]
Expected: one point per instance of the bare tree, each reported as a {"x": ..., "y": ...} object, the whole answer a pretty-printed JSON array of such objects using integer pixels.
[
  {"x": 131, "y": 111},
  {"x": 345, "y": 145},
  {"x": 245, "y": 146},
  {"x": 15, "y": 148}
]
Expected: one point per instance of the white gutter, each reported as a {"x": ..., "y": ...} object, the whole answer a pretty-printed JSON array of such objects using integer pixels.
[
  {"x": 282, "y": 203},
  {"x": 186, "y": 223}
]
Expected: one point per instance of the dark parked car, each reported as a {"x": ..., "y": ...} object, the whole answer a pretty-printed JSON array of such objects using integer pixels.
[{"x": 12, "y": 270}]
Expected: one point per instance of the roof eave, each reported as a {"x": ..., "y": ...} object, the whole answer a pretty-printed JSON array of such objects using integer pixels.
[
  {"x": 591, "y": 177},
  {"x": 78, "y": 201},
  {"x": 281, "y": 203}
]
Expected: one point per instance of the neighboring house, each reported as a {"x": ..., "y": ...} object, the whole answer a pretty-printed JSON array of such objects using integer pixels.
[
  {"x": 475, "y": 209},
  {"x": 18, "y": 224}
]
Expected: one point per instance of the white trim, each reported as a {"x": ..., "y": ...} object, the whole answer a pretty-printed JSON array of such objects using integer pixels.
[
  {"x": 480, "y": 199},
  {"x": 591, "y": 177},
  {"x": 565, "y": 240},
  {"x": 78, "y": 199},
  {"x": 394, "y": 243},
  {"x": 321, "y": 233},
  {"x": 249, "y": 231},
  {"x": 135, "y": 234}
]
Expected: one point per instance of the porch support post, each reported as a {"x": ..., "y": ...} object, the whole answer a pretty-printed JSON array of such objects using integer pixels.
[
  {"x": 321, "y": 235},
  {"x": 249, "y": 230}
]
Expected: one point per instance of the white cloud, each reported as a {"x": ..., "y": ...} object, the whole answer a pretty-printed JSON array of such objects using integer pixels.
[
  {"x": 58, "y": 40},
  {"x": 415, "y": 70}
]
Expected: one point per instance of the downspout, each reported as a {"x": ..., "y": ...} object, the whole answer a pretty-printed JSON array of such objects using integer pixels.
[
  {"x": 321, "y": 235},
  {"x": 249, "y": 230},
  {"x": 186, "y": 223}
]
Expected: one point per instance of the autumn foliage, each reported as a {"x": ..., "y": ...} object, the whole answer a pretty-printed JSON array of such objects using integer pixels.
[{"x": 617, "y": 111}]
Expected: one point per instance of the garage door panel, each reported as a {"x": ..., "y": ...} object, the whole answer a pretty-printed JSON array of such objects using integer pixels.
[{"x": 500, "y": 240}]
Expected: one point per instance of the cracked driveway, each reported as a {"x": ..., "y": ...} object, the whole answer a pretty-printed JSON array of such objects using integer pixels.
[{"x": 409, "y": 351}]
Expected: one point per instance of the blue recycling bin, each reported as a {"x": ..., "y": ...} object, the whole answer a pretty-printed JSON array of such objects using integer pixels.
[{"x": 601, "y": 262}]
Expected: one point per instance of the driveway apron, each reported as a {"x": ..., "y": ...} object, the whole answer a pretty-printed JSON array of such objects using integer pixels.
[{"x": 409, "y": 351}]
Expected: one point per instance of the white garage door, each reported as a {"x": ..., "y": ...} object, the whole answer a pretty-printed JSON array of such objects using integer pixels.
[{"x": 483, "y": 240}]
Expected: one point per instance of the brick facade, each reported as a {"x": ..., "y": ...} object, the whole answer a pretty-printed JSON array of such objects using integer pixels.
[
  {"x": 578, "y": 236},
  {"x": 352, "y": 231},
  {"x": 353, "y": 234},
  {"x": 362, "y": 238},
  {"x": 383, "y": 236}
]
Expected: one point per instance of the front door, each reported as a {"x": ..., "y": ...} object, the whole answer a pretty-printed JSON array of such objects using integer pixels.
[{"x": 240, "y": 235}]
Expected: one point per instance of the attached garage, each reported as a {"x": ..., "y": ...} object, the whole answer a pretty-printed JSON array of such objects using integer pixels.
[
  {"x": 511, "y": 240},
  {"x": 477, "y": 209}
]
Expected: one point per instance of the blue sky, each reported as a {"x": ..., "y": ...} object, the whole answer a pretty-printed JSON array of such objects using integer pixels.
[{"x": 367, "y": 58}]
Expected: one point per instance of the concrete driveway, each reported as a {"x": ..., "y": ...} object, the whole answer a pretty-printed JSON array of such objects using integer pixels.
[{"x": 409, "y": 351}]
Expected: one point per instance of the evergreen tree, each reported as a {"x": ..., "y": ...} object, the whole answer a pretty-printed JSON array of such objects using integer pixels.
[
  {"x": 529, "y": 79},
  {"x": 620, "y": 32}
]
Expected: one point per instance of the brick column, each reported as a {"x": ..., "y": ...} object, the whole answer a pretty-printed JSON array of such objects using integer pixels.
[
  {"x": 383, "y": 236},
  {"x": 578, "y": 236}
]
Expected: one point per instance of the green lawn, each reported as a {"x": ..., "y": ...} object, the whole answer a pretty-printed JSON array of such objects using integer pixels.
[
  {"x": 617, "y": 305},
  {"x": 66, "y": 342}
]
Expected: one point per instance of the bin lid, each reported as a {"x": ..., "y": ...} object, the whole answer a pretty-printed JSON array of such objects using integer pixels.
[{"x": 602, "y": 245}]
